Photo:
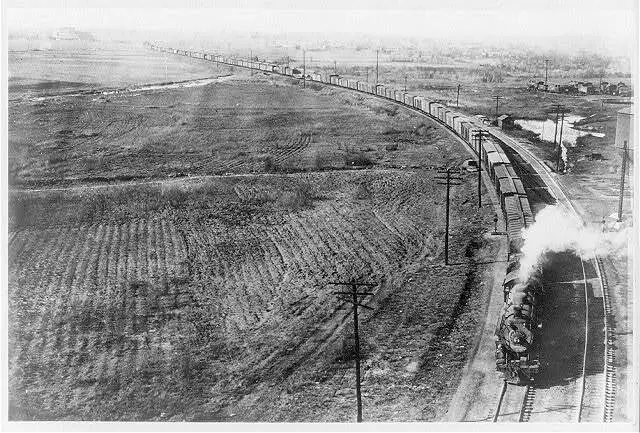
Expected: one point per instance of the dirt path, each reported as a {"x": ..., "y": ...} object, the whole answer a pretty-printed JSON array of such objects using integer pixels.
[{"x": 480, "y": 380}]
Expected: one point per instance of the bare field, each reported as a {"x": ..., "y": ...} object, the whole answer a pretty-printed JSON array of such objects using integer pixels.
[
  {"x": 210, "y": 301},
  {"x": 207, "y": 298},
  {"x": 241, "y": 125},
  {"x": 95, "y": 65}
]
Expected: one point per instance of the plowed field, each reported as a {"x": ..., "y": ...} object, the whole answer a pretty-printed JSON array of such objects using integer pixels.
[{"x": 207, "y": 298}]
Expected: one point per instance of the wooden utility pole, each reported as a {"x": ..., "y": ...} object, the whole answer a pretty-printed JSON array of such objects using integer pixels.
[
  {"x": 335, "y": 67},
  {"x": 353, "y": 298},
  {"x": 555, "y": 133},
  {"x": 458, "y": 95},
  {"x": 546, "y": 73},
  {"x": 479, "y": 135},
  {"x": 559, "y": 109},
  {"x": 448, "y": 180},
  {"x": 405, "y": 84},
  {"x": 560, "y": 141},
  {"x": 251, "y": 61},
  {"x": 377, "y": 64},
  {"x": 624, "y": 172},
  {"x": 304, "y": 69},
  {"x": 497, "y": 99}
]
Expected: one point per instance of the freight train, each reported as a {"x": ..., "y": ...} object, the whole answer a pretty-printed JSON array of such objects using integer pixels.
[{"x": 517, "y": 354}]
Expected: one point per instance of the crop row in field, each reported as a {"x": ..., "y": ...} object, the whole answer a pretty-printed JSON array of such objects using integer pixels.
[{"x": 182, "y": 308}]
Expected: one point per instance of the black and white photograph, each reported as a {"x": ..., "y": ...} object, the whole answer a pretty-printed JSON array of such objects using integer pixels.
[{"x": 263, "y": 214}]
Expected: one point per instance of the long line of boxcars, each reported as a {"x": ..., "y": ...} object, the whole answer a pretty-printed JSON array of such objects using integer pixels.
[{"x": 516, "y": 347}]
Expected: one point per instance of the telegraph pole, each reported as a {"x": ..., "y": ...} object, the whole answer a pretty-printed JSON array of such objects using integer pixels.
[
  {"x": 560, "y": 143},
  {"x": 304, "y": 69},
  {"x": 448, "y": 180},
  {"x": 624, "y": 169},
  {"x": 377, "y": 53},
  {"x": 367, "y": 70},
  {"x": 458, "y": 96},
  {"x": 405, "y": 84},
  {"x": 555, "y": 134},
  {"x": 497, "y": 99},
  {"x": 353, "y": 298},
  {"x": 558, "y": 109},
  {"x": 479, "y": 135},
  {"x": 546, "y": 72},
  {"x": 251, "y": 61},
  {"x": 335, "y": 67}
]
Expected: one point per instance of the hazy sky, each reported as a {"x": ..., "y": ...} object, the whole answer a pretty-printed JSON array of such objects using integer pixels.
[{"x": 606, "y": 23}]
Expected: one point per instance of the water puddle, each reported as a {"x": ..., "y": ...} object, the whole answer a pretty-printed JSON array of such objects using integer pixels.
[{"x": 547, "y": 129}]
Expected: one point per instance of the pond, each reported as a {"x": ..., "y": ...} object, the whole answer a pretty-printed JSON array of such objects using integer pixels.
[{"x": 547, "y": 128}]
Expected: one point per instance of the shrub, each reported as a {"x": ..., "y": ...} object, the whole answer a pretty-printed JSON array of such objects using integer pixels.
[
  {"x": 56, "y": 158},
  {"x": 389, "y": 110},
  {"x": 362, "y": 192},
  {"x": 321, "y": 161},
  {"x": 300, "y": 197},
  {"x": 358, "y": 159}
]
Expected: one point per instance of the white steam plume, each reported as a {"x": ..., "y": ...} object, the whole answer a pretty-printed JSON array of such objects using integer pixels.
[{"x": 556, "y": 230}]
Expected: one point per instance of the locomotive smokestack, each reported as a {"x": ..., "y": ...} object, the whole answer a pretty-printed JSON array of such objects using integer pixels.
[{"x": 555, "y": 230}]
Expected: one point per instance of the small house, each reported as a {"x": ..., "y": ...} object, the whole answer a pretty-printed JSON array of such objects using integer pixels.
[{"x": 506, "y": 122}]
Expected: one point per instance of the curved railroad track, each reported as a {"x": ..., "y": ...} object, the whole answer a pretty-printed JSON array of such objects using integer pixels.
[
  {"x": 609, "y": 349},
  {"x": 545, "y": 180}
]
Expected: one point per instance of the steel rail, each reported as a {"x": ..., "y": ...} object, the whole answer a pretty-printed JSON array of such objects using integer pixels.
[
  {"x": 586, "y": 344},
  {"x": 503, "y": 391},
  {"x": 609, "y": 350},
  {"x": 527, "y": 403}
]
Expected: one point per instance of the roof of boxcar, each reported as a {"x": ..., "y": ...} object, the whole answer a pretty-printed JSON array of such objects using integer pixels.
[
  {"x": 506, "y": 185},
  {"x": 494, "y": 157},
  {"x": 501, "y": 171},
  {"x": 519, "y": 186}
]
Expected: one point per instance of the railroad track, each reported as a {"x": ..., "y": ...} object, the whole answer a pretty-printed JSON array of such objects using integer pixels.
[
  {"x": 609, "y": 350},
  {"x": 586, "y": 344},
  {"x": 542, "y": 176},
  {"x": 515, "y": 403},
  {"x": 527, "y": 403},
  {"x": 542, "y": 179}
]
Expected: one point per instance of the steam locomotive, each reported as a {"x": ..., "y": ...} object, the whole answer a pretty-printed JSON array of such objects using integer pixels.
[
  {"x": 517, "y": 348},
  {"x": 517, "y": 355}
]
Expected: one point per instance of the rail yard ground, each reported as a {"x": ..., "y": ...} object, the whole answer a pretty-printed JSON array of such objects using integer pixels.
[{"x": 170, "y": 250}]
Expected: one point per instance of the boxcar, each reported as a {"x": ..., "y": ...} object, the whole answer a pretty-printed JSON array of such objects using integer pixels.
[
  {"x": 519, "y": 186},
  {"x": 526, "y": 211},
  {"x": 408, "y": 99},
  {"x": 515, "y": 221},
  {"x": 505, "y": 188}
]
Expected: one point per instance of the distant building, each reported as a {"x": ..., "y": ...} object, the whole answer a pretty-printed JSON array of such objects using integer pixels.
[
  {"x": 586, "y": 88},
  {"x": 505, "y": 122},
  {"x": 624, "y": 90},
  {"x": 624, "y": 128},
  {"x": 71, "y": 34}
]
